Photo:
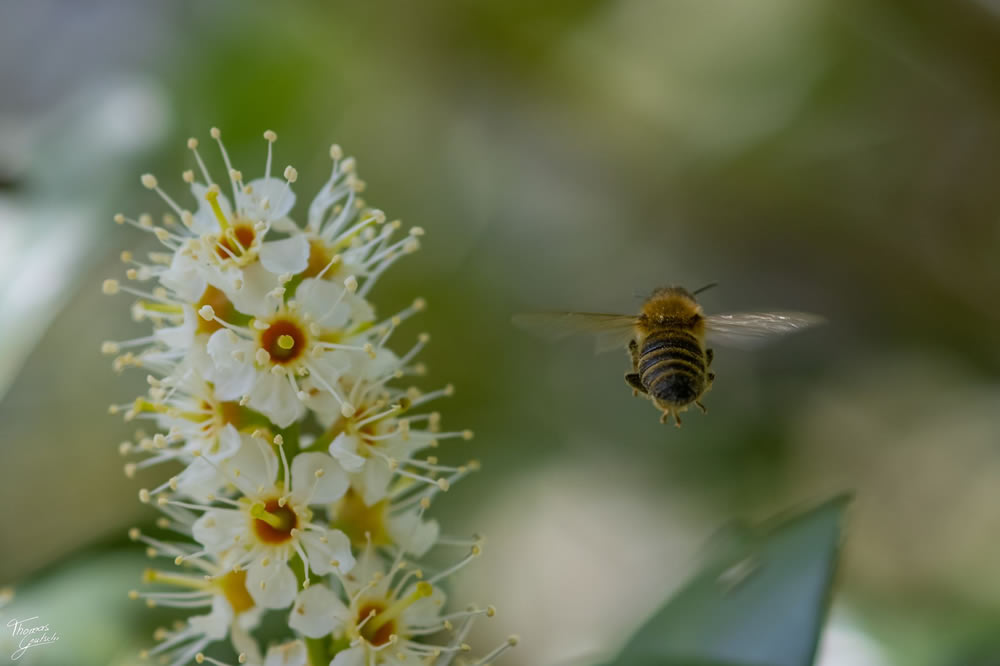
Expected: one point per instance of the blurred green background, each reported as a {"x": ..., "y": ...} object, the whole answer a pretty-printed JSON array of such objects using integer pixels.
[{"x": 835, "y": 156}]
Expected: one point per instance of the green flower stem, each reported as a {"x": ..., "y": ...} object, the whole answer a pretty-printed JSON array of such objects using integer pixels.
[{"x": 316, "y": 650}]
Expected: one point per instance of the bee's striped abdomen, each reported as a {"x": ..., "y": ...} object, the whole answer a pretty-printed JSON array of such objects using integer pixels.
[{"x": 672, "y": 366}]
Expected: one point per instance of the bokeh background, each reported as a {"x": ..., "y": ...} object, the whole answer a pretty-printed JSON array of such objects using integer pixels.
[{"x": 836, "y": 156}]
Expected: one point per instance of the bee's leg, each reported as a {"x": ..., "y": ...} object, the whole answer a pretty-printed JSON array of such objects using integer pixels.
[
  {"x": 709, "y": 356},
  {"x": 633, "y": 380},
  {"x": 665, "y": 416},
  {"x": 633, "y": 350},
  {"x": 703, "y": 408}
]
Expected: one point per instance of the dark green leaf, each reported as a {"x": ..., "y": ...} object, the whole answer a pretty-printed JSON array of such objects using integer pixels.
[{"x": 760, "y": 601}]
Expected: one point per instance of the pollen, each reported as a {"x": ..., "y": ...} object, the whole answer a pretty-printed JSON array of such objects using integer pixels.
[{"x": 284, "y": 340}]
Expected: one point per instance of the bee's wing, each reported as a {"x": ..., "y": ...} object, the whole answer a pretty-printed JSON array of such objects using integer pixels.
[
  {"x": 749, "y": 330},
  {"x": 610, "y": 331}
]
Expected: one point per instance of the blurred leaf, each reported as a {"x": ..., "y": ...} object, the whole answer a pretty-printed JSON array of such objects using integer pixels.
[
  {"x": 761, "y": 604},
  {"x": 84, "y": 600}
]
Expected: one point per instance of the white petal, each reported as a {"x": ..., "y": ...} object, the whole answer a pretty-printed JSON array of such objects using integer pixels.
[
  {"x": 376, "y": 477},
  {"x": 329, "y": 486},
  {"x": 179, "y": 337},
  {"x": 321, "y": 401},
  {"x": 285, "y": 226},
  {"x": 325, "y": 370},
  {"x": 352, "y": 657},
  {"x": 199, "y": 480},
  {"x": 317, "y": 298},
  {"x": 317, "y": 612},
  {"x": 184, "y": 277},
  {"x": 289, "y": 255},
  {"x": 368, "y": 566},
  {"x": 271, "y": 199},
  {"x": 274, "y": 397},
  {"x": 412, "y": 534},
  {"x": 215, "y": 625},
  {"x": 324, "y": 200},
  {"x": 251, "y": 298},
  {"x": 424, "y": 611},
  {"x": 289, "y": 654},
  {"x": 226, "y": 445},
  {"x": 244, "y": 643},
  {"x": 279, "y": 586},
  {"x": 385, "y": 363},
  {"x": 322, "y": 554},
  {"x": 254, "y": 465},
  {"x": 361, "y": 310},
  {"x": 344, "y": 448},
  {"x": 233, "y": 377},
  {"x": 217, "y": 529}
]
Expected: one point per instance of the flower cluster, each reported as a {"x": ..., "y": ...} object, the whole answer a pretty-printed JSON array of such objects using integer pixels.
[{"x": 300, "y": 479}]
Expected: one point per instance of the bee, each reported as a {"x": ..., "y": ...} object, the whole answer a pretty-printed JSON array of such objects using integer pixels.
[{"x": 667, "y": 342}]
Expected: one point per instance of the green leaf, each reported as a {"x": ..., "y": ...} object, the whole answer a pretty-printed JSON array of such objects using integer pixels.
[{"x": 761, "y": 601}]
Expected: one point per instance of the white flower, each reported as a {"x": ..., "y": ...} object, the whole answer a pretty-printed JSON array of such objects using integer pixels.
[
  {"x": 387, "y": 615},
  {"x": 233, "y": 612},
  {"x": 384, "y": 525},
  {"x": 225, "y": 246},
  {"x": 379, "y": 442},
  {"x": 269, "y": 525},
  {"x": 381, "y": 619},
  {"x": 262, "y": 332},
  {"x": 291, "y": 353},
  {"x": 204, "y": 478},
  {"x": 342, "y": 234},
  {"x": 202, "y": 431},
  {"x": 292, "y": 653}
]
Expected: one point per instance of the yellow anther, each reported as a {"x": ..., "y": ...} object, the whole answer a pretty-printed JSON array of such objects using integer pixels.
[{"x": 212, "y": 196}]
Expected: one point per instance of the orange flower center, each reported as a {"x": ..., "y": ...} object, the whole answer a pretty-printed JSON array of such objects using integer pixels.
[
  {"x": 274, "y": 526},
  {"x": 284, "y": 340},
  {"x": 235, "y": 242},
  {"x": 376, "y": 633}
]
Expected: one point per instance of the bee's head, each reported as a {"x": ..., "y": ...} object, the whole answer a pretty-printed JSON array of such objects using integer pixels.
[{"x": 664, "y": 292}]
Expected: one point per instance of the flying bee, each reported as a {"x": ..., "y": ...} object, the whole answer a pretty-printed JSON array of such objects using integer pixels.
[{"x": 667, "y": 342}]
